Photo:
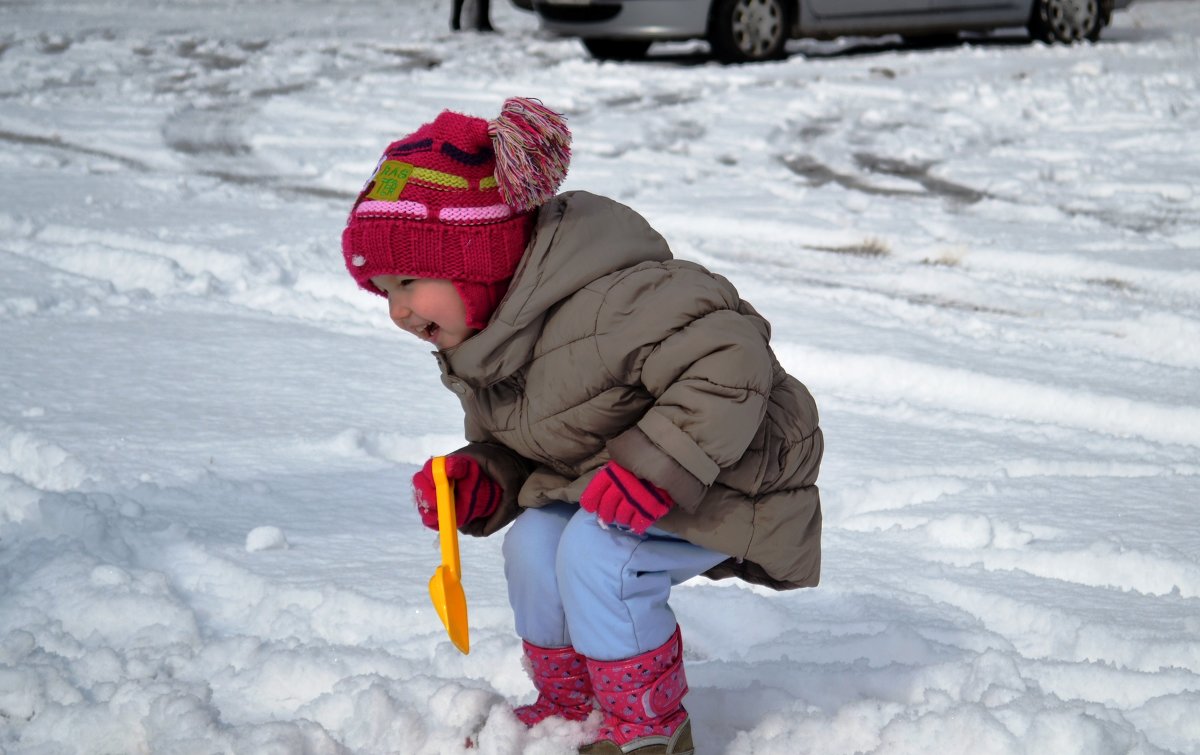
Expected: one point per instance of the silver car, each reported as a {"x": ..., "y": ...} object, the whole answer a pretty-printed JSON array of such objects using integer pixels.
[{"x": 752, "y": 30}]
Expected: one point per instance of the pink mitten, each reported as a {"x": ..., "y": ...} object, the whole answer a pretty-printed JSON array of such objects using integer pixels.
[
  {"x": 618, "y": 496},
  {"x": 475, "y": 494}
]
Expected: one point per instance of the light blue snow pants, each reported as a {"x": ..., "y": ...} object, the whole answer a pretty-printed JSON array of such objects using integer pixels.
[{"x": 602, "y": 590}]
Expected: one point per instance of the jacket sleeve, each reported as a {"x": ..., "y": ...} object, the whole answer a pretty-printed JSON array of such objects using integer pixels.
[
  {"x": 508, "y": 469},
  {"x": 704, "y": 357}
]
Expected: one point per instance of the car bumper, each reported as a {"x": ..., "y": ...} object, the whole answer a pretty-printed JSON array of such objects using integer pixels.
[{"x": 627, "y": 19}]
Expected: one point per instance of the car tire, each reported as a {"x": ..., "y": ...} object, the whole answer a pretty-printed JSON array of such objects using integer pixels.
[
  {"x": 1068, "y": 21},
  {"x": 617, "y": 49},
  {"x": 748, "y": 31}
]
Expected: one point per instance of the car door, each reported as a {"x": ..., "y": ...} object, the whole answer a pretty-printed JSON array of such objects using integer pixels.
[
  {"x": 992, "y": 7},
  {"x": 866, "y": 8}
]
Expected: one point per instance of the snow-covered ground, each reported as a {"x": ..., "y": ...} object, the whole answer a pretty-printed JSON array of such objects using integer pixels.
[{"x": 984, "y": 261}]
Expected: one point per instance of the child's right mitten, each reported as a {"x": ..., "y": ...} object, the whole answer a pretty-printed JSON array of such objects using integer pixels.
[{"x": 475, "y": 494}]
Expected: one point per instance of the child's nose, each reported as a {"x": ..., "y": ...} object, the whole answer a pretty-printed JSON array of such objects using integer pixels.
[{"x": 398, "y": 310}]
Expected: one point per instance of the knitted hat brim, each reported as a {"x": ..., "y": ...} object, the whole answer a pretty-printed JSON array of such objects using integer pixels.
[{"x": 433, "y": 250}]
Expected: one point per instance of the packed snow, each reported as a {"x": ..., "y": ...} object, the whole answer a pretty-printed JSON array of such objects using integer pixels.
[{"x": 983, "y": 260}]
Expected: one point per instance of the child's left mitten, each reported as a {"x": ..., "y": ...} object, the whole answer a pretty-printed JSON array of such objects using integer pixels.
[
  {"x": 617, "y": 496},
  {"x": 475, "y": 494}
]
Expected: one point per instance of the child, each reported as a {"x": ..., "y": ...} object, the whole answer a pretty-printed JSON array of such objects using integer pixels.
[{"x": 624, "y": 410}]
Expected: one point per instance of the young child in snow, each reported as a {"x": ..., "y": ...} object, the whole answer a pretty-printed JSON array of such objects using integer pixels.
[{"x": 624, "y": 410}]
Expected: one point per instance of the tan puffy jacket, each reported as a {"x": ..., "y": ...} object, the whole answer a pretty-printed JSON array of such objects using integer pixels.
[{"x": 607, "y": 348}]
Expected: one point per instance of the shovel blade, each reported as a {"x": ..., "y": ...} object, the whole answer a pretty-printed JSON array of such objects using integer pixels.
[{"x": 450, "y": 602}]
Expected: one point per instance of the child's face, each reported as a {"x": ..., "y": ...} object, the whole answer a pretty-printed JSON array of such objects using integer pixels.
[{"x": 429, "y": 308}]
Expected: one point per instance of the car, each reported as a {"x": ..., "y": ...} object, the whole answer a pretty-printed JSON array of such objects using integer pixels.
[{"x": 742, "y": 31}]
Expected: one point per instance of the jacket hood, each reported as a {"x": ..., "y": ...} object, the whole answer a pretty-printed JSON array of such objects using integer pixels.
[{"x": 578, "y": 238}]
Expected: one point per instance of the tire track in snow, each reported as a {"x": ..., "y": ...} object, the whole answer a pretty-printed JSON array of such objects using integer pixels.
[
  {"x": 1051, "y": 632},
  {"x": 890, "y": 379},
  {"x": 56, "y": 143},
  {"x": 1101, "y": 564}
]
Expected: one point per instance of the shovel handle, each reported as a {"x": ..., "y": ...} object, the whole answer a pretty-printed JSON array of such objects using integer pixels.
[{"x": 447, "y": 520}]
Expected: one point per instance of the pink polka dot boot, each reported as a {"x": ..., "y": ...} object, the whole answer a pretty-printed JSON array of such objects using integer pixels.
[
  {"x": 561, "y": 679},
  {"x": 642, "y": 702}
]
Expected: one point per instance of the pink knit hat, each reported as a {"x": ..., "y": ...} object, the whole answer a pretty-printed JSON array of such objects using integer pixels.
[{"x": 455, "y": 200}]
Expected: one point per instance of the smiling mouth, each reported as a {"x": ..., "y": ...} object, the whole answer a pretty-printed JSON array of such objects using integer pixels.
[{"x": 428, "y": 332}]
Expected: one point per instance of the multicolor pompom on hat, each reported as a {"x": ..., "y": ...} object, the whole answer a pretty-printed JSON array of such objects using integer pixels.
[{"x": 455, "y": 200}]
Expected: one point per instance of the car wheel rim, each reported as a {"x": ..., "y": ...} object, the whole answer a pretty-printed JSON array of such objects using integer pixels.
[
  {"x": 1072, "y": 20},
  {"x": 757, "y": 25}
]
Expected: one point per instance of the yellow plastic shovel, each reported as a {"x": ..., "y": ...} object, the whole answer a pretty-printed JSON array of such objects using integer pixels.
[{"x": 445, "y": 587}]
